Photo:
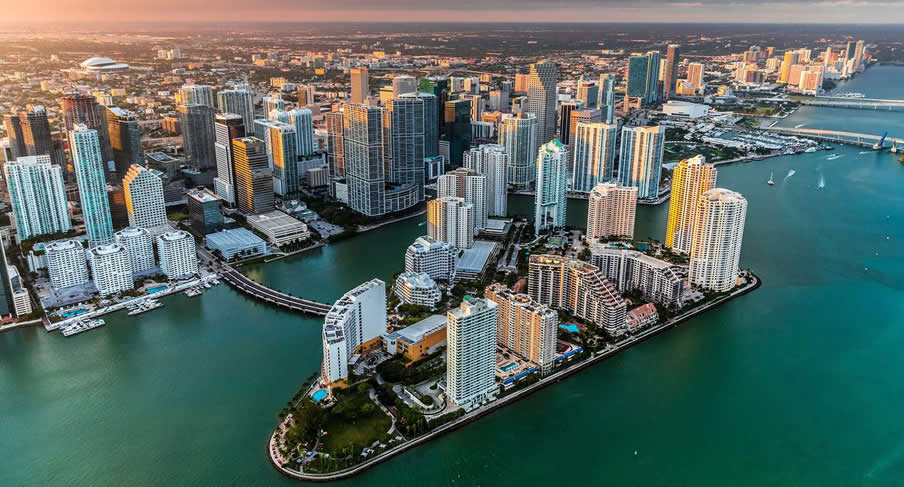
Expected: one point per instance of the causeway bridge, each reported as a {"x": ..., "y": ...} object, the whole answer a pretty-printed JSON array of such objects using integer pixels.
[
  {"x": 856, "y": 103},
  {"x": 866, "y": 140},
  {"x": 250, "y": 286}
]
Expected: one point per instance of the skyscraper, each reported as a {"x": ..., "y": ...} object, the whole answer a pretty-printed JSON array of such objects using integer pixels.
[
  {"x": 518, "y": 135},
  {"x": 38, "y": 196},
  {"x": 579, "y": 116},
  {"x": 84, "y": 143},
  {"x": 588, "y": 94},
  {"x": 524, "y": 327},
  {"x": 144, "y": 198},
  {"x": 611, "y": 211},
  {"x": 403, "y": 85},
  {"x": 471, "y": 352},
  {"x": 472, "y": 187},
  {"x": 303, "y": 121},
  {"x": 197, "y": 95},
  {"x": 637, "y": 76},
  {"x": 84, "y": 109},
  {"x": 491, "y": 161},
  {"x": 125, "y": 138},
  {"x": 541, "y": 98},
  {"x": 695, "y": 75},
  {"x": 594, "y": 155},
  {"x": 364, "y": 170},
  {"x": 690, "y": 179},
  {"x": 227, "y": 127},
  {"x": 670, "y": 76},
  {"x": 13, "y": 125},
  {"x": 36, "y": 132},
  {"x": 552, "y": 184},
  {"x": 335, "y": 147},
  {"x": 360, "y": 89},
  {"x": 451, "y": 219},
  {"x": 239, "y": 102},
  {"x": 431, "y": 122},
  {"x": 718, "y": 232},
  {"x": 791, "y": 58},
  {"x": 403, "y": 127},
  {"x": 565, "y": 111},
  {"x": 606, "y": 103},
  {"x": 280, "y": 139},
  {"x": 457, "y": 129},
  {"x": 253, "y": 177},
  {"x": 198, "y": 135},
  {"x": 640, "y": 159}
]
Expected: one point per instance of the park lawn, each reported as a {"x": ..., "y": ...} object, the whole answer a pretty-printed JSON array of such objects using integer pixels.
[{"x": 359, "y": 432}]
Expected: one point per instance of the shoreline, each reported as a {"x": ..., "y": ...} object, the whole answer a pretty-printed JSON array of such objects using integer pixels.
[{"x": 497, "y": 405}]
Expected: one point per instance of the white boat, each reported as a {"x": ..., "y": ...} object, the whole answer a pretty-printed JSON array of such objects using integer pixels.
[
  {"x": 771, "y": 181},
  {"x": 206, "y": 285},
  {"x": 833, "y": 157},
  {"x": 144, "y": 307},
  {"x": 790, "y": 173},
  {"x": 811, "y": 149},
  {"x": 82, "y": 325}
]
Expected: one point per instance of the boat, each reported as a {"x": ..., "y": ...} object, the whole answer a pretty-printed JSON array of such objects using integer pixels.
[
  {"x": 144, "y": 307},
  {"x": 192, "y": 292},
  {"x": 790, "y": 173},
  {"x": 810, "y": 149},
  {"x": 832, "y": 157},
  {"x": 81, "y": 326},
  {"x": 771, "y": 181},
  {"x": 822, "y": 182},
  {"x": 206, "y": 285}
]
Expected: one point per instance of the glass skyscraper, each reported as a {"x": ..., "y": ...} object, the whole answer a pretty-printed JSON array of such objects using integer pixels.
[{"x": 84, "y": 144}]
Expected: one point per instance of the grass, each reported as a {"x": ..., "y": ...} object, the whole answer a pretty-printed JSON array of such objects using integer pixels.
[{"x": 359, "y": 432}]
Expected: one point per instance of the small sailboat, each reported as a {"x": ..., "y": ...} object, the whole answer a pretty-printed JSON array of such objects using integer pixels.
[{"x": 771, "y": 181}]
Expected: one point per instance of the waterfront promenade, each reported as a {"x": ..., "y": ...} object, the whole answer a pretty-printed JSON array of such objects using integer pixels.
[{"x": 272, "y": 451}]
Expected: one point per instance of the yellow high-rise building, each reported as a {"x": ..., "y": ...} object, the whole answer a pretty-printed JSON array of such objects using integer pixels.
[{"x": 690, "y": 179}]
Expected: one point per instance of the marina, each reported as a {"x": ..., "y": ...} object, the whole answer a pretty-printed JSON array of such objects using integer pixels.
[
  {"x": 82, "y": 326},
  {"x": 144, "y": 307}
]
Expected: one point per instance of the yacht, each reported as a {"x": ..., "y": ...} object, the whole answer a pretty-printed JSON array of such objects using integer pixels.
[
  {"x": 771, "y": 181},
  {"x": 82, "y": 325},
  {"x": 144, "y": 307}
]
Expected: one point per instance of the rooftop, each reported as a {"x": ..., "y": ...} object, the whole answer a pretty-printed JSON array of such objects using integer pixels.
[
  {"x": 475, "y": 258},
  {"x": 237, "y": 237}
]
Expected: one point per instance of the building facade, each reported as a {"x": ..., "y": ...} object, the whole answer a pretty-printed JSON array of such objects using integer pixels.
[
  {"x": 451, "y": 219},
  {"x": 491, "y": 161},
  {"x": 356, "y": 321},
  {"x": 519, "y": 136},
  {"x": 176, "y": 253},
  {"x": 144, "y": 198},
  {"x": 140, "y": 245},
  {"x": 611, "y": 211},
  {"x": 524, "y": 327},
  {"x": 111, "y": 269},
  {"x": 471, "y": 353},
  {"x": 594, "y": 155},
  {"x": 552, "y": 186},
  {"x": 718, "y": 232},
  {"x": 66, "y": 263},
  {"x": 37, "y": 194},
  {"x": 435, "y": 258},
  {"x": 640, "y": 159},
  {"x": 87, "y": 159},
  {"x": 690, "y": 179}
]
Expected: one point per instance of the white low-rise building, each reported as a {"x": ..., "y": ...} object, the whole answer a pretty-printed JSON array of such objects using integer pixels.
[
  {"x": 66, "y": 263},
  {"x": 435, "y": 258},
  {"x": 279, "y": 228},
  {"x": 111, "y": 269},
  {"x": 140, "y": 245},
  {"x": 417, "y": 288},
  {"x": 176, "y": 253},
  {"x": 685, "y": 109}
]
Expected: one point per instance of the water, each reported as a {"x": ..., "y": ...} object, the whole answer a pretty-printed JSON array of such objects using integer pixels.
[{"x": 798, "y": 383}]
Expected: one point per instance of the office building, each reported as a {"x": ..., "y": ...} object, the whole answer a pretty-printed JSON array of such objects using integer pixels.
[
  {"x": 491, "y": 161},
  {"x": 606, "y": 102},
  {"x": 718, "y": 232},
  {"x": 197, "y": 95},
  {"x": 363, "y": 139},
  {"x": 37, "y": 194},
  {"x": 403, "y": 85},
  {"x": 84, "y": 145},
  {"x": 111, "y": 269},
  {"x": 354, "y": 324},
  {"x": 84, "y": 110},
  {"x": 419, "y": 289},
  {"x": 144, "y": 198},
  {"x": 457, "y": 129},
  {"x": 198, "y": 135},
  {"x": 13, "y": 125},
  {"x": 451, "y": 219},
  {"x": 360, "y": 87},
  {"x": 518, "y": 135},
  {"x": 541, "y": 96},
  {"x": 435, "y": 258},
  {"x": 790, "y": 59},
  {"x": 630, "y": 270},
  {"x": 594, "y": 155},
  {"x": 472, "y": 187},
  {"x": 670, "y": 76},
  {"x": 610, "y": 212},
  {"x": 640, "y": 160},
  {"x": 431, "y": 121},
  {"x": 588, "y": 94},
  {"x": 565, "y": 111},
  {"x": 471, "y": 353},
  {"x": 695, "y": 75},
  {"x": 280, "y": 139},
  {"x": 125, "y": 138},
  {"x": 524, "y": 327},
  {"x": 205, "y": 211},
  {"x": 643, "y": 77},
  {"x": 690, "y": 179},
  {"x": 227, "y": 127},
  {"x": 403, "y": 154},
  {"x": 253, "y": 177},
  {"x": 140, "y": 245},
  {"x": 335, "y": 147},
  {"x": 273, "y": 102},
  {"x": 176, "y": 254},
  {"x": 66, "y": 263},
  {"x": 552, "y": 185},
  {"x": 239, "y": 102},
  {"x": 579, "y": 288},
  {"x": 303, "y": 121}
]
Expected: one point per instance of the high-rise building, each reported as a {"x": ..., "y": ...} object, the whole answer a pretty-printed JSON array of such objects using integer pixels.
[
  {"x": 303, "y": 121},
  {"x": 353, "y": 324},
  {"x": 13, "y": 125},
  {"x": 198, "y": 135},
  {"x": 606, "y": 102},
  {"x": 594, "y": 155},
  {"x": 84, "y": 143},
  {"x": 670, "y": 76},
  {"x": 84, "y": 109},
  {"x": 305, "y": 95},
  {"x": 239, "y": 102},
  {"x": 364, "y": 170},
  {"x": 403, "y": 153},
  {"x": 205, "y": 211},
  {"x": 640, "y": 159},
  {"x": 253, "y": 177},
  {"x": 643, "y": 77},
  {"x": 718, "y": 232},
  {"x": 197, "y": 95},
  {"x": 36, "y": 132},
  {"x": 652, "y": 86},
  {"x": 431, "y": 122},
  {"x": 610, "y": 212},
  {"x": 526, "y": 328},
  {"x": 435, "y": 258},
  {"x": 522, "y": 81},
  {"x": 579, "y": 116},
  {"x": 37, "y": 193},
  {"x": 541, "y": 96},
  {"x": 518, "y": 135},
  {"x": 791, "y": 58},
  {"x": 125, "y": 138},
  {"x": 360, "y": 89},
  {"x": 471, "y": 352},
  {"x": 451, "y": 219},
  {"x": 630, "y": 270},
  {"x": 66, "y": 263},
  {"x": 491, "y": 161},
  {"x": 273, "y": 102},
  {"x": 140, "y": 246},
  {"x": 457, "y": 125},
  {"x": 552, "y": 185},
  {"x": 403, "y": 85},
  {"x": 335, "y": 148},
  {"x": 577, "y": 287},
  {"x": 111, "y": 269},
  {"x": 144, "y": 198},
  {"x": 227, "y": 127},
  {"x": 472, "y": 187},
  {"x": 695, "y": 75},
  {"x": 588, "y": 94},
  {"x": 282, "y": 153},
  {"x": 176, "y": 253},
  {"x": 565, "y": 111},
  {"x": 690, "y": 179}
]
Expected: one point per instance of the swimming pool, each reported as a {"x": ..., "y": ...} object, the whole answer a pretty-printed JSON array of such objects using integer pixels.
[
  {"x": 570, "y": 327},
  {"x": 509, "y": 366},
  {"x": 319, "y": 395},
  {"x": 156, "y": 289},
  {"x": 75, "y": 312}
]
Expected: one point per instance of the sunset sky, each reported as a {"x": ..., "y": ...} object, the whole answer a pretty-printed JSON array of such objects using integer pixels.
[{"x": 94, "y": 11}]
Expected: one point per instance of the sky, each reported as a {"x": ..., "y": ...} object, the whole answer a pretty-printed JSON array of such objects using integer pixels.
[{"x": 769, "y": 11}]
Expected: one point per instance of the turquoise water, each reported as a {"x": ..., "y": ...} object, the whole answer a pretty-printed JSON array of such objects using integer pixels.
[
  {"x": 75, "y": 312},
  {"x": 156, "y": 289},
  {"x": 570, "y": 327},
  {"x": 796, "y": 384},
  {"x": 318, "y": 395},
  {"x": 508, "y": 367}
]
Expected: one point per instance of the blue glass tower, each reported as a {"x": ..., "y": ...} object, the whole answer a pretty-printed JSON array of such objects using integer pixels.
[{"x": 92, "y": 184}]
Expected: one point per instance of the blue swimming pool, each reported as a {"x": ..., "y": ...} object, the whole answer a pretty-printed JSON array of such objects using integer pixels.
[
  {"x": 570, "y": 327},
  {"x": 509, "y": 366},
  {"x": 319, "y": 395},
  {"x": 74, "y": 312},
  {"x": 156, "y": 289}
]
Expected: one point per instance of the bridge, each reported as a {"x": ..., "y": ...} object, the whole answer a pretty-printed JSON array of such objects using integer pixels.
[
  {"x": 250, "y": 286},
  {"x": 856, "y": 103},
  {"x": 865, "y": 140}
]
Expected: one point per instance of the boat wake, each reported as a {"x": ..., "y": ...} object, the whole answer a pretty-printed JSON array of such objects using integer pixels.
[
  {"x": 790, "y": 173},
  {"x": 865, "y": 152},
  {"x": 799, "y": 125}
]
